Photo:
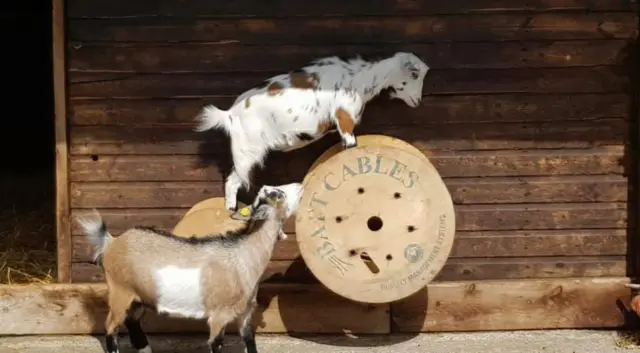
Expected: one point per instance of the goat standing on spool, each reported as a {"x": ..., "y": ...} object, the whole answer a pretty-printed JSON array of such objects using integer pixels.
[
  {"x": 215, "y": 277},
  {"x": 280, "y": 119}
]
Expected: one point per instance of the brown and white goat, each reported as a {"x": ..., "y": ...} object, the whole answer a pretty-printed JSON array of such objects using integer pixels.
[{"x": 214, "y": 277}]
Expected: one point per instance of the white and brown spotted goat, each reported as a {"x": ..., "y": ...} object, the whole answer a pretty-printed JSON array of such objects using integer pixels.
[
  {"x": 215, "y": 277},
  {"x": 295, "y": 120},
  {"x": 280, "y": 119}
]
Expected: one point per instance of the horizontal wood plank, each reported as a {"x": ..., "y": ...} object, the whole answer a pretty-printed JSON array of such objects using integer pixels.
[
  {"x": 432, "y": 110},
  {"x": 474, "y": 269},
  {"x": 468, "y": 217},
  {"x": 447, "y": 306},
  {"x": 512, "y": 305},
  {"x": 463, "y": 191},
  {"x": 597, "y": 161},
  {"x": 538, "y": 189},
  {"x": 148, "y": 140},
  {"x": 476, "y": 244},
  {"x": 285, "y": 8},
  {"x": 602, "y": 79},
  {"x": 233, "y": 57},
  {"x": 82, "y": 309},
  {"x": 361, "y": 30}
]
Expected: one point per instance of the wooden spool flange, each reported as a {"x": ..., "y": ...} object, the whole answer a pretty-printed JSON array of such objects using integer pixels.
[
  {"x": 206, "y": 217},
  {"x": 376, "y": 223}
]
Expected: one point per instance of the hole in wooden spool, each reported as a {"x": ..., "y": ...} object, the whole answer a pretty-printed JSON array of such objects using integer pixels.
[
  {"x": 360, "y": 190},
  {"x": 396, "y": 195},
  {"x": 389, "y": 257},
  {"x": 411, "y": 228},
  {"x": 94, "y": 157},
  {"x": 374, "y": 223},
  {"x": 352, "y": 252},
  {"x": 338, "y": 219},
  {"x": 369, "y": 262}
]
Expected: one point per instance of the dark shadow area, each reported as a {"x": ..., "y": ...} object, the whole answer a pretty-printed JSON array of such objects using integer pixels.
[
  {"x": 333, "y": 310},
  {"x": 27, "y": 187},
  {"x": 630, "y": 67}
]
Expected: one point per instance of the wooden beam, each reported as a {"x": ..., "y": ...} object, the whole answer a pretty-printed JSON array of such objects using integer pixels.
[
  {"x": 513, "y": 305},
  {"x": 449, "y": 306},
  {"x": 63, "y": 229},
  {"x": 82, "y": 309}
]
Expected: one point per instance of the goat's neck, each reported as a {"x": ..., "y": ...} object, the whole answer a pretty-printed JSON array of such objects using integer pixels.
[
  {"x": 371, "y": 80},
  {"x": 257, "y": 249}
]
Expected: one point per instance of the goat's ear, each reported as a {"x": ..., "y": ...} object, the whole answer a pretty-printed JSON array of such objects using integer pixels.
[
  {"x": 262, "y": 212},
  {"x": 243, "y": 214}
]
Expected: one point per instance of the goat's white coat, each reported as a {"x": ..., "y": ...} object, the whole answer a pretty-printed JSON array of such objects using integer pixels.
[
  {"x": 180, "y": 292},
  {"x": 265, "y": 122},
  {"x": 403, "y": 72}
]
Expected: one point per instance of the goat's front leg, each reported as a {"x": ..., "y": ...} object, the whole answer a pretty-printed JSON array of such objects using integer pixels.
[{"x": 345, "y": 123}]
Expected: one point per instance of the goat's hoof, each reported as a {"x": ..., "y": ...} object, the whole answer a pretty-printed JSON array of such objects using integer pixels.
[{"x": 231, "y": 207}]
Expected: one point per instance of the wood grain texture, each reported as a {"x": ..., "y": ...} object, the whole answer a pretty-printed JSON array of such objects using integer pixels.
[
  {"x": 432, "y": 110},
  {"x": 234, "y": 57},
  {"x": 538, "y": 189},
  {"x": 497, "y": 190},
  {"x": 453, "y": 306},
  {"x": 512, "y": 305},
  {"x": 360, "y": 30},
  {"x": 63, "y": 233},
  {"x": 82, "y": 309},
  {"x": 286, "y": 8},
  {"x": 476, "y": 269},
  {"x": 606, "y": 242},
  {"x": 146, "y": 140},
  {"x": 600, "y": 79},
  {"x": 597, "y": 161},
  {"x": 476, "y": 218}
]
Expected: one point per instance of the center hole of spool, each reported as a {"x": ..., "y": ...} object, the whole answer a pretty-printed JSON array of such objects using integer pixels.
[
  {"x": 374, "y": 223},
  {"x": 369, "y": 262}
]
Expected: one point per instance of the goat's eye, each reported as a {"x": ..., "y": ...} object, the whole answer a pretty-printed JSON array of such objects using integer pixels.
[
  {"x": 404, "y": 83},
  {"x": 414, "y": 75}
]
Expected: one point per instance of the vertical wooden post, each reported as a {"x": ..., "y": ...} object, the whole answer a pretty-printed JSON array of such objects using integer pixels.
[{"x": 63, "y": 229}]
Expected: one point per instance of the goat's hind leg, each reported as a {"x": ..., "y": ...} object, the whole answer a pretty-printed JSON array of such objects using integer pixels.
[
  {"x": 136, "y": 335},
  {"x": 118, "y": 307},
  {"x": 243, "y": 164},
  {"x": 231, "y": 188}
]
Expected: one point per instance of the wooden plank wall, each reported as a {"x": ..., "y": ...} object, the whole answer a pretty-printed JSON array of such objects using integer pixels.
[{"x": 526, "y": 114}]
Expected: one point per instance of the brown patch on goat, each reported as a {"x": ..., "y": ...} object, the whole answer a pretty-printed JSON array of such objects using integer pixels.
[
  {"x": 303, "y": 81},
  {"x": 345, "y": 121},
  {"x": 275, "y": 88}
]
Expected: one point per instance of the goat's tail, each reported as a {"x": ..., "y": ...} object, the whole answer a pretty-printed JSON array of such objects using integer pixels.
[
  {"x": 96, "y": 232},
  {"x": 213, "y": 117}
]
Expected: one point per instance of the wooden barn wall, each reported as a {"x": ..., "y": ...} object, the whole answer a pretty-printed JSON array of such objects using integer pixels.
[{"x": 525, "y": 114}]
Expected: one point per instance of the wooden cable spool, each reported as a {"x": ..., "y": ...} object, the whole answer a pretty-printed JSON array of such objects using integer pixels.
[
  {"x": 206, "y": 217},
  {"x": 376, "y": 223}
]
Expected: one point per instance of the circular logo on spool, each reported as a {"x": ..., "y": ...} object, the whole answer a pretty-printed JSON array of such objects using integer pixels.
[
  {"x": 413, "y": 253},
  {"x": 375, "y": 223}
]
